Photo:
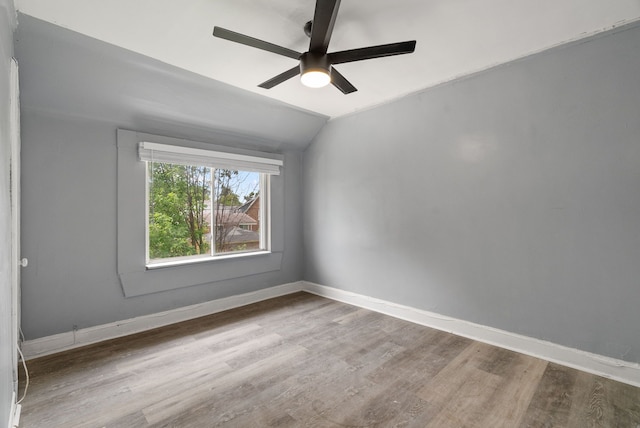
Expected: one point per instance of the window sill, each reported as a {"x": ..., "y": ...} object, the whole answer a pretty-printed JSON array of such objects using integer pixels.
[{"x": 204, "y": 259}]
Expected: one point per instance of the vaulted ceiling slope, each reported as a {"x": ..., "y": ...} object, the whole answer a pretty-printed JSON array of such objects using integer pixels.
[
  {"x": 66, "y": 73},
  {"x": 454, "y": 38}
]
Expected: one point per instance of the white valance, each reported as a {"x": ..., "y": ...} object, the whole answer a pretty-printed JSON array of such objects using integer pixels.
[{"x": 165, "y": 153}]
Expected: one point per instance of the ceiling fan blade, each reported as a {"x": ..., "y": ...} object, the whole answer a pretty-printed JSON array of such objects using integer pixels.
[
  {"x": 372, "y": 52},
  {"x": 280, "y": 78},
  {"x": 253, "y": 42},
  {"x": 341, "y": 83},
  {"x": 324, "y": 18}
]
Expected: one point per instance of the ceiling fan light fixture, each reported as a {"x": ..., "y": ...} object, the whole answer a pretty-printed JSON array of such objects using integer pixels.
[
  {"x": 315, "y": 78},
  {"x": 314, "y": 70}
]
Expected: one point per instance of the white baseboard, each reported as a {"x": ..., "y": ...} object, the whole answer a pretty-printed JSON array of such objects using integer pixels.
[
  {"x": 612, "y": 368},
  {"x": 86, "y": 336},
  {"x": 14, "y": 413}
]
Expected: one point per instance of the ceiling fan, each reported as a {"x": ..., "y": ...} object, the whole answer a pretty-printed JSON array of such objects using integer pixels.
[{"x": 316, "y": 65}]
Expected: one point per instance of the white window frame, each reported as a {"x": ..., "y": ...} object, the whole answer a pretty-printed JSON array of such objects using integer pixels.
[{"x": 180, "y": 155}]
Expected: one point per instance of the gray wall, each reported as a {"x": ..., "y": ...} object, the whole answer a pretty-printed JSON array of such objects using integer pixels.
[
  {"x": 7, "y": 347},
  {"x": 76, "y": 92},
  {"x": 509, "y": 198}
]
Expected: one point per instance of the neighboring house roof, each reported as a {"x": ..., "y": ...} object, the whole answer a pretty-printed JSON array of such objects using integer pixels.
[
  {"x": 247, "y": 205},
  {"x": 236, "y": 235},
  {"x": 229, "y": 215}
]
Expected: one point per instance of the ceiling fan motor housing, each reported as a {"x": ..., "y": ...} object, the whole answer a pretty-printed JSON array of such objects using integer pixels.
[{"x": 310, "y": 61}]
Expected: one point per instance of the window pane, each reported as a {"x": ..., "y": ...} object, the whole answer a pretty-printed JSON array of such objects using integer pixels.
[
  {"x": 237, "y": 211},
  {"x": 179, "y": 218}
]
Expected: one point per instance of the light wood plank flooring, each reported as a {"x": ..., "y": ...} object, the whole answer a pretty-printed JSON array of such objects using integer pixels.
[{"x": 305, "y": 361}]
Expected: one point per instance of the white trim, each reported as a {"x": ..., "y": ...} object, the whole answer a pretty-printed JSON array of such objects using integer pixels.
[
  {"x": 14, "y": 413},
  {"x": 187, "y": 260},
  {"x": 622, "y": 371},
  {"x": 147, "y": 194},
  {"x": 265, "y": 211},
  {"x": 12, "y": 410},
  {"x": 619, "y": 370},
  {"x": 14, "y": 125},
  {"x": 86, "y": 336}
]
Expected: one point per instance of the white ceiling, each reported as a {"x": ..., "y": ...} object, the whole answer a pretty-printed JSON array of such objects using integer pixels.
[{"x": 454, "y": 38}]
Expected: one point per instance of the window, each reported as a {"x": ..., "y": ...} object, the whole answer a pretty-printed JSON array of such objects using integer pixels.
[
  {"x": 140, "y": 277},
  {"x": 202, "y": 204}
]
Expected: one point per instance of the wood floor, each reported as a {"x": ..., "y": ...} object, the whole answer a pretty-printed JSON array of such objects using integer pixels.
[{"x": 305, "y": 361}]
